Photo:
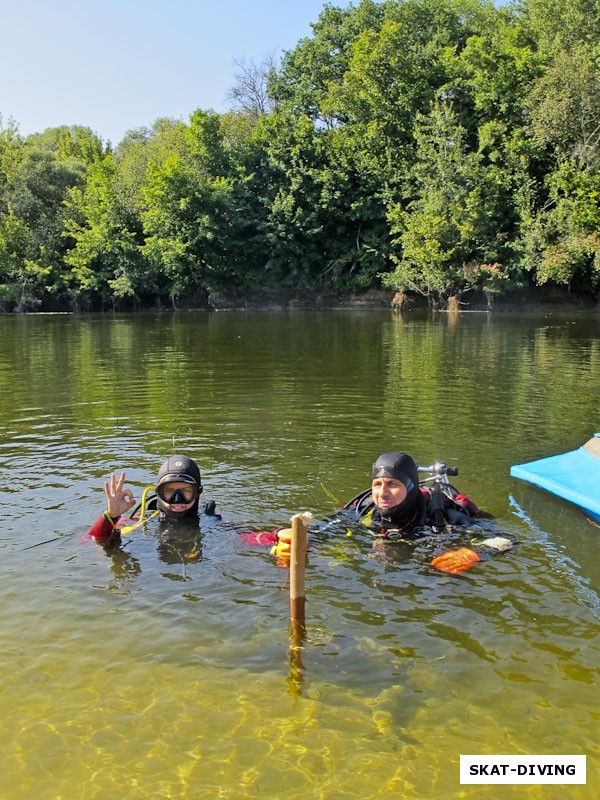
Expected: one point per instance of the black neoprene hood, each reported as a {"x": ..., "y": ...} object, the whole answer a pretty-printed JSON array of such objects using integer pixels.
[
  {"x": 397, "y": 465},
  {"x": 181, "y": 469},
  {"x": 403, "y": 468}
]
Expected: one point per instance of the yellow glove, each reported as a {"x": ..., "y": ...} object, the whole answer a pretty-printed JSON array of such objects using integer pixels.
[{"x": 283, "y": 548}]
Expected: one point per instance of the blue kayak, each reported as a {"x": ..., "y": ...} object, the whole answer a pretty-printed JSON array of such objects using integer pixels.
[{"x": 574, "y": 476}]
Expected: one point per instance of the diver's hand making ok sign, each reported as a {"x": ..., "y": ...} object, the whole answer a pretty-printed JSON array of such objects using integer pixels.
[{"x": 120, "y": 499}]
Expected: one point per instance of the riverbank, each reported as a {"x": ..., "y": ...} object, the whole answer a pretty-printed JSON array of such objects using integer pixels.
[{"x": 539, "y": 299}]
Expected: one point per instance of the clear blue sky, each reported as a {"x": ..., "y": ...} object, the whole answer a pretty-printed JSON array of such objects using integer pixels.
[{"x": 113, "y": 65}]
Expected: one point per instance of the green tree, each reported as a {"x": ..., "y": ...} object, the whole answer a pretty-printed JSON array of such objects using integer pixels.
[
  {"x": 188, "y": 215},
  {"x": 318, "y": 63},
  {"x": 321, "y": 218},
  {"x": 447, "y": 237},
  {"x": 559, "y": 25},
  {"x": 20, "y": 277},
  {"x": 38, "y": 173},
  {"x": 564, "y": 237},
  {"x": 565, "y": 105},
  {"x": 105, "y": 260},
  {"x": 105, "y": 220}
]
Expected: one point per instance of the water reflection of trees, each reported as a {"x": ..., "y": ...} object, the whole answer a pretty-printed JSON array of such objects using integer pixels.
[
  {"x": 276, "y": 404},
  {"x": 482, "y": 377}
]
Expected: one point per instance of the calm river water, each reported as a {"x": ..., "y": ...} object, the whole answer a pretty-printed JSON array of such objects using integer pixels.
[{"x": 149, "y": 674}]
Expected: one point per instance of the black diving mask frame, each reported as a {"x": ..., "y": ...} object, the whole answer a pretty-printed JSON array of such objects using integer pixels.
[{"x": 180, "y": 495}]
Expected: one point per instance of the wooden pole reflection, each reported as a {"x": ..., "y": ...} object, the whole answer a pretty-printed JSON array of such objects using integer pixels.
[{"x": 295, "y": 678}]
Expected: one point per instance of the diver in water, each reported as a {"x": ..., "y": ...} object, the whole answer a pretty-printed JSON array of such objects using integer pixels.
[
  {"x": 397, "y": 507},
  {"x": 394, "y": 503},
  {"x": 176, "y": 503}
]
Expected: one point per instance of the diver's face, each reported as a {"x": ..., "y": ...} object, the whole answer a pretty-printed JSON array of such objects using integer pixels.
[
  {"x": 178, "y": 496},
  {"x": 388, "y": 493}
]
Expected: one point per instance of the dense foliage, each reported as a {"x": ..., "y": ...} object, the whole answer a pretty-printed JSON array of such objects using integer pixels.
[{"x": 430, "y": 146}]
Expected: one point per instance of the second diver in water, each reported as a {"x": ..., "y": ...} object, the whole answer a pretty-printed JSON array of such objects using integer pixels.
[{"x": 397, "y": 507}]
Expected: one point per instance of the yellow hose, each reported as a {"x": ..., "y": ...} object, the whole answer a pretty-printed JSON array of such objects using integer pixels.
[{"x": 143, "y": 518}]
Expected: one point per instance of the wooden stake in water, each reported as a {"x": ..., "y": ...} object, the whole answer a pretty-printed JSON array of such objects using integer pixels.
[{"x": 297, "y": 565}]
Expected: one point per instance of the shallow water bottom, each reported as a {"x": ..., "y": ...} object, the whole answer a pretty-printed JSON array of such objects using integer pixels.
[{"x": 161, "y": 730}]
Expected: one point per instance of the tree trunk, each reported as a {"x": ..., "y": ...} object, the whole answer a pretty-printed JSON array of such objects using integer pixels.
[
  {"x": 453, "y": 304},
  {"x": 399, "y": 301}
]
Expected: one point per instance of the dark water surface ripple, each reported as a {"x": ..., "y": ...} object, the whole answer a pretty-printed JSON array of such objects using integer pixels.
[{"x": 165, "y": 669}]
